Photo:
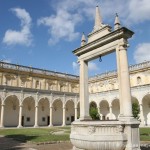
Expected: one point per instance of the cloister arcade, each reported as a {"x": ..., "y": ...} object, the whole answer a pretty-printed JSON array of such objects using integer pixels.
[
  {"x": 31, "y": 112},
  {"x": 43, "y": 111}
]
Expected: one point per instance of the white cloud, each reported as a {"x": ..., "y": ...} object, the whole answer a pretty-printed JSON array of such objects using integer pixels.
[
  {"x": 91, "y": 66},
  {"x": 70, "y": 14},
  {"x": 24, "y": 36},
  {"x": 142, "y": 53},
  {"x": 139, "y": 10}
]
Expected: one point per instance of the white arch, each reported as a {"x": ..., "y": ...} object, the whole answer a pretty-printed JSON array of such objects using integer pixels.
[{"x": 13, "y": 95}]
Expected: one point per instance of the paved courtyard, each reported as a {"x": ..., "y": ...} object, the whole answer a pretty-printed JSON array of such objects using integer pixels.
[{"x": 10, "y": 144}]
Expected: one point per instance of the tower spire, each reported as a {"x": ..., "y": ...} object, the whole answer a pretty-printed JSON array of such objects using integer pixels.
[
  {"x": 98, "y": 19},
  {"x": 83, "y": 39},
  {"x": 117, "y": 22}
]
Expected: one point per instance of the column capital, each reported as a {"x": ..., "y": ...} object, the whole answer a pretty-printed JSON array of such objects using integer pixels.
[
  {"x": 36, "y": 106},
  {"x": 64, "y": 107}
]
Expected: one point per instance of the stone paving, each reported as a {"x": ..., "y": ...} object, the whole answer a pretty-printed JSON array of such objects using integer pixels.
[{"x": 10, "y": 144}]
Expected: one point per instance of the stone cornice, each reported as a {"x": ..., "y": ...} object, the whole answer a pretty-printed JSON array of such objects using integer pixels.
[
  {"x": 30, "y": 90},
  {"x": 115, "y": 35}
]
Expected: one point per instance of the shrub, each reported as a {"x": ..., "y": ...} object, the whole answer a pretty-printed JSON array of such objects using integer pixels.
[
  {"x": 135, "y": 110},
  {"x": 94, "y": 113}
]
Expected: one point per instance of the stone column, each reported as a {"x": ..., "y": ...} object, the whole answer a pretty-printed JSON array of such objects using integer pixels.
[
  {"x": 76, "y": 112},
  {"x": 141, "y": 114},
  {"x": 20, "y": 116},
  {"x": 64, "y": 116},
  {"x": 125, "y": 81},
  {"x": 110, "y": 111},
  {"x": 2, "y": 114},
  {"x": 36, "y": 116},
  {"x": 98, "y": 108},
  {"x": 119, "y": 80},
  {"x": 51, "y": 116},
  {"x": 84, "y": 95}
]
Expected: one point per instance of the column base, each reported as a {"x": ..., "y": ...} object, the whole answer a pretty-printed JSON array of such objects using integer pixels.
[
  {"x": 19, "y": 126},
  {"x": 63, "y": 125},
  {"x": 36, "y": 126},
  {"x": 50, "y": 125},
  {"x": 2, "y": 127}
]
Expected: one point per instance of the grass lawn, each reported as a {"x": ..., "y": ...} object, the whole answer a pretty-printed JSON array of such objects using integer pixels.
[
  {"x": 145, "y": 134},
  {"x": 47, "y": 134},
  {"x": 37, "y": 134}
]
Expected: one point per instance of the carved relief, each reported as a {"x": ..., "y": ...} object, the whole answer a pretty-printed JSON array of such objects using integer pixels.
[{"x": 91, "y": 129}]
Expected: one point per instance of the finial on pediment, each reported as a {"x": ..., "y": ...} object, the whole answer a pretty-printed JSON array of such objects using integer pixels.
[
  {"x": 83, "y": 39},
  {"x": 117, "y": 22}
]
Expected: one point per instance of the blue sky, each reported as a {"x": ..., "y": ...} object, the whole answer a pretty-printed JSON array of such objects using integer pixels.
[{"x": 43, "y": 33}]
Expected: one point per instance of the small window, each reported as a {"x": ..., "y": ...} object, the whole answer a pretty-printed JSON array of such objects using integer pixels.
[
  {"x": 37, "y": 84},
  {"x": 28, "y": 119},
  {"x": 68, "y": 119},
  {"x": 138, "y": 80},
  {"x": 43, "y": 119}
]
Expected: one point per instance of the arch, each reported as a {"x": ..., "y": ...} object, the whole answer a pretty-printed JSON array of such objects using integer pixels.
[
  {"x": 69, "y": 100},
  {"x": 43, "y": 112},
  {"x": 11, "y": 111},
  {"x": 11, "y": 95},
  {"x": 146, "y": 110},
  {"x": 93, "y": 104},
  {"x": 57, "y": 112},
  {"x": 28, "y": 111},
  {"x": 104, "y": 109},
  {"x": 134, "y": 100},
  {"x": 56, "y": 99},
  {"x": 70, "y": 112},
  {"x": 115, "y": 108}
]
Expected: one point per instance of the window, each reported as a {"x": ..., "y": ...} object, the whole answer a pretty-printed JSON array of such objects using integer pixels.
[
  {"x": 43, "y": 119},
  {"x": 68, "y": 119},
  {"x": 37, "y": 84},
  {"x": 138, "y": 80},
  {"x": 28, "y": 119}
]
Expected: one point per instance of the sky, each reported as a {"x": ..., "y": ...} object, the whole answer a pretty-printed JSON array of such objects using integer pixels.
[{"x": 43, "y": 33}]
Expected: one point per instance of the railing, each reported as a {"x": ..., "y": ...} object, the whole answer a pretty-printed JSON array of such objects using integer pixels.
[
  {"x": 35, "y": 70},
  {"x": 114, "y": 72},
  {"x": 59, "y": 74}
]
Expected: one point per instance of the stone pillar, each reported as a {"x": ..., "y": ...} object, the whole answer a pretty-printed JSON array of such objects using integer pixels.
[
  {"x": 36, "y": 116},
  {"x": 76, "y": 113},
  {"x": 141, "y": 114},
  {"x": 84, "y": 96},
  {"x": 98, "y": 108},
  {"x": 51, "y": 116},
  {"x": 2, "y": 114},
  {"x": 64, "y": 116},
  {"x": 125, "y": 81},
  {"x": 20, "y": 116},
  {"x": 119, "y": 81},
  {"x": 110, "y": 111}
]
